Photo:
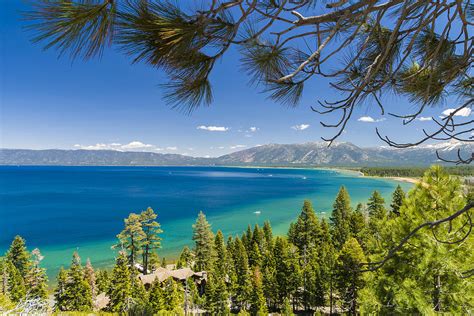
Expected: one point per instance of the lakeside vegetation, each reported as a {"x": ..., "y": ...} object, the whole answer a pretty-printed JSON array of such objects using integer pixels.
[
  {"x": 414, "y": 172},
  {"x": 330, "y": 267}
]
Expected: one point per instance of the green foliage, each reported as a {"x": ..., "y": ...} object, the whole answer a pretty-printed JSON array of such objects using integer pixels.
[
  {"x": 423, "y": 277},
  {"x": 305, "y": 232},
  {"x": 19, "y": 255},
  {"x": 151, "y": 240},
  {"x": 348, "y": 274},
  {"x": 36, "y": 280},
  {"x": 156, "y": 297},
  {"x": 398, "y": 197},
  {"x": 341, "y": 218},
  {"x": 173, "y": 296},
  {"x": 60, "y": 296},
  {"x": 12, "y": 282},
  {"x": 415, "y": 172},
  {"x": 204, "y": 243},
  {"x": 102, "y": 281},
  {"x": 120, "y": 290},
  {"x": 185, "y": 258},
  {"x": 258, "y": 305},
  {"x": 77, "y": 294},
  {"x": 131, "y": 238}
]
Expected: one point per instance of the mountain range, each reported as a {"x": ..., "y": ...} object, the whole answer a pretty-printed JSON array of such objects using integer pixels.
[{"x": 307, "y": 154}]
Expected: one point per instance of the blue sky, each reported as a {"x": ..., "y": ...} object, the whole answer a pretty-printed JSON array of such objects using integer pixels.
[{"x": 48, "y": 102}]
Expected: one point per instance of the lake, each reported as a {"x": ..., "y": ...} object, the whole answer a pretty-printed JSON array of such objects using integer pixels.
[{"x": 62, "y": 209}]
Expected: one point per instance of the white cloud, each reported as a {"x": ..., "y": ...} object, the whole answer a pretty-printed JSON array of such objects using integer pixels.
[
  {"x": 237, "y": 146},
  {"x": 136, "y": 145},
  {"x": 369, "y": 119},
  {"x": 463, "y": 112},
  {"x": 423, "y": 118},
  {"x": 213, "y": 128},
  {"x": 172, "y": 148},
  {"x": 300, "y": 127},
  {"x": 253, "y": 129},
  {"x": 132, "y": 146}
]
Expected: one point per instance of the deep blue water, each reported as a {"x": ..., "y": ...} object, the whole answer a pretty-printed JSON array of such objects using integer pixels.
[{"x": 60, "y": 209}]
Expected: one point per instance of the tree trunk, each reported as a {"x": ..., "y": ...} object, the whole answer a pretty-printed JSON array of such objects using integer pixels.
[{"x": 437, "y": 293}]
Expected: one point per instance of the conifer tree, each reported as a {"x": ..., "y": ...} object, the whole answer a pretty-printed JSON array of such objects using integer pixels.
[
  {"x": 358, "y": 225},
  {"x": 269, "y": 281},
  {"x": 102, "y": 281},
  {"x": 247, "y": 238},
  {"x": 341, "y": 218},
  {"x": 120, "y": 290},
  {"x": 305, "y": 232},
  {"x": 288, "y": 274},
  {"x": 193, "y": 299},
  {"x": 151, "y": 240},
  {"x": 348, "y": 274},
  {"x": 19, "y": 255},
  {"x": 204, "y": 243},
  {"x": 77, "y": 292},
  {"x": 15, "y": 284},
  {"x": 156, "y": 297},
  {"x": 139, "y": 294},
  {"x": 268, "y": 236},
  {"x": 90, "y": 276},
  {"x": 185, "y": 258},
  {"x": 242, "y": 286},
  {"x": 258, "y": 305},
  {"x": 423, "y": 276},
  {"x": 60, "y": 298},
  {"x": 173, "y": 295},
  {"x": 376, "y": 206},
  {"x": 131, "y": 237},
  {"x": 36, "y": 280},
  {"x": 398, "y": 197}
]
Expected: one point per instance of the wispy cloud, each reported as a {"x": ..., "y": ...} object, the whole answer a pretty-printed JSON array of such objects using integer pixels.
[
  {"x": 213, "y": 128},
  {"x": 136, "y": 145},
  {"x": 369, "y": 119},
  {"x": 424, "y": 118},
  {"x": 300, "y": 127},
  {"x": 237, "y": 146},
  {"x": 465, "y": 112},
  {"x": 253, "y": 129}
]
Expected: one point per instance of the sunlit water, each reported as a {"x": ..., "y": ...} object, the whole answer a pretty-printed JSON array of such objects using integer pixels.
[{"x": 62, "y": 209}]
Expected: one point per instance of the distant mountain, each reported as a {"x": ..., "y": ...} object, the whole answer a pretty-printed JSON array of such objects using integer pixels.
[
  {"x": 307, "y": 154},
  {"x": 92, "y": 158},
  {"x": 343, "y": 154}
]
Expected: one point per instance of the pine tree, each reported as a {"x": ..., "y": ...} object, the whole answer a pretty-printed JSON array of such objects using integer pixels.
[
  {"x": 358, "y": 225},
  {"x": 305, "y": 232},
  {"x": 131, "y": 237},
  {"x": 15, "y": 284},
  {"x": 398, "y": 197},
  {"x": 151, "y": 240},
  {"x": 242, "y": 286},
  {"x": 102, "y": 281},
  {"x": 268, "y": 236},
  {"x": 288, "y": 274},
  {"x": 423, "y": 276},
  {"x": 204, "y": 240},
  {"x": 341, "y": 218},
  {"x": 156, "y": 297},
  {"x": 139, "y": 293},
  {"x": 19, "y": 255},
  {"x": 90, "y": 276},
  {"x": 36, "y": 280},
  {"x": 77, "y": 292},
  {"x": 348, "y": 274},
  {"x": 376, "y": 206},
  {"x": 258, "y": 305},
  {"x": 185, "y": 258},
  {"x": 60, "y": 298},
  {"x": 120, "y": 290},
  {"x": 173, "y": 294}
]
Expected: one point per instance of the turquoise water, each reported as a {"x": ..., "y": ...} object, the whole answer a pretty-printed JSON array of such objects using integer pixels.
[{"x": 62, "y": 209}]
